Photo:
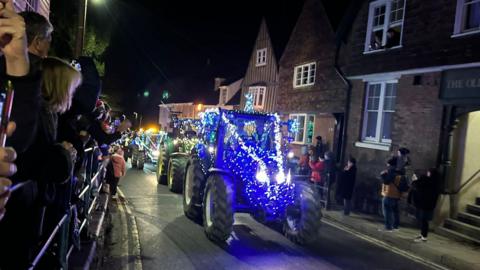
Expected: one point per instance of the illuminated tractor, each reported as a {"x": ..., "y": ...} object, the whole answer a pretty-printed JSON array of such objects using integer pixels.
[
  {"x": 174, "y": 152},
  {"x": 239, "y": 165},
  {"x": 144, "y": 148}
]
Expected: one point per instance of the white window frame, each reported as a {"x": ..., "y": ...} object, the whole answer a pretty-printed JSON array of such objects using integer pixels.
[
  {"x": 223, "y": 95},
  {"x": 258, "y": 103},
  {"x": 298, "y": 115},
  {"x": 261, "y": 59},
  {"x": 458, "y": 29},
  {"x": 301, "y": 68},
  {"x": 378, "y": 130},
  {"x": 386, "y": 24}
]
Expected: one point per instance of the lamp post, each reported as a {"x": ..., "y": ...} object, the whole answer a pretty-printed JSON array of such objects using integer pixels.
[{"x": 81, "y": 28}]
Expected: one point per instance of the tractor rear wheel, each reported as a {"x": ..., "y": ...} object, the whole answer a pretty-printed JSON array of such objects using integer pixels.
[
  {"x": 176, "y": 174},
  {"x": 134, "y": 156},
  {"x": 141, "y": 160},
  {"x": 193, "y": 186},
  {"x": 218, "y": 208},
  {"x": 302, "y": 220}
]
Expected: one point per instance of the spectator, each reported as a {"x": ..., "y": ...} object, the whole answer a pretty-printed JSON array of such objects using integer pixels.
[
  {"x": 393, "y": 38},
  {"x": 391, "y": 196},
  {"x": 7, "y": 168},
  {"x": 303, "y": 164},
  {"x": 424, "y": 193},
  {"x": 317, "y": 166},
  {"x": 46, "y": 162},
  {"x": 402, "y": 160},
  {"x": 346, "y": 184},
  {"x": 39, "y": 34},
  {"x": 119, "y": 169},
  {"x": 319, "y": 147}
]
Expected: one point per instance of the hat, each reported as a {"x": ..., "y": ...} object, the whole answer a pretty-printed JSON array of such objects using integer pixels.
[
  {"x": 318, "y": 138},
  {"x": 404, "y": 151}
]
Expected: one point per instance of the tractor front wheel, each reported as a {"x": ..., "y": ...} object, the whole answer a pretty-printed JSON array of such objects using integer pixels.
[
  {"x": 218, "y": 208},
  {"x": 302, "y": 220}
]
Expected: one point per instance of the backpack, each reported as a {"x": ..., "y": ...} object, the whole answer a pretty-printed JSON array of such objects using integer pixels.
[{"x": 403, "y": 185}]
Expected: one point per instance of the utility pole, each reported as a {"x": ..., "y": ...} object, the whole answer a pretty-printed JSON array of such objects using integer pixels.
[{"x": 82, "y": 18}]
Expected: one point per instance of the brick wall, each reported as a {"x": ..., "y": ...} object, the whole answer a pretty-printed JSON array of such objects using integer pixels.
[
  {"x": 312, "y": 40},
  {"x": 416, "y": 125},
  {"x": 427, "y": 41}
]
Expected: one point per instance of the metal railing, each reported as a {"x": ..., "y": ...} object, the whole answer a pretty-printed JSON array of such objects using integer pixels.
[
  {"x": 473, "y": 177},
  {"x": 87, "y": 199}
]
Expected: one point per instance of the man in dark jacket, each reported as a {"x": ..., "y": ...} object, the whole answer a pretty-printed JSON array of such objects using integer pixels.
[
  {"x": 424, "y": 193},
  {"x": 346, "y": 184}
]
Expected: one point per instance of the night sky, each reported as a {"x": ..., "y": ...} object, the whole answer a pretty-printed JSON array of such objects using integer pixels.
[{"x": 180, "y": 46}]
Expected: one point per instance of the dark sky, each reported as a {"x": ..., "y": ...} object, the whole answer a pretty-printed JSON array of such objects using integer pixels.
[{"x": 180, "y": 46}]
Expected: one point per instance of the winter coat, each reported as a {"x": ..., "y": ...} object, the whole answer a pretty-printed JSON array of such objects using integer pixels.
[
  {"x": 425, "y": 192},
  {"x": 347, "y": 183},
  {"x": 119, "y": 166},
  {"x": 317, "y": 168}
]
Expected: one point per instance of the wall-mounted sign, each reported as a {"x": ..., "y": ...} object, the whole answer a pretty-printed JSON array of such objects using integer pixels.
[{"x": 460, "y": 84}]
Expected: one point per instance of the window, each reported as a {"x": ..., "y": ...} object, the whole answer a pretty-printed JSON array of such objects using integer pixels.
[
  {"x": 258, "y": 93},
  {"x": 223, "y": 96},
  {"x": 379, "y": 109},
  {"x": 261, "y": 57},
  {"x": 304, "y": 75},
  {"x": 467, "y": 19},
  {"x": 306, "y": 128},
  {"x": 385, "y": 24}
]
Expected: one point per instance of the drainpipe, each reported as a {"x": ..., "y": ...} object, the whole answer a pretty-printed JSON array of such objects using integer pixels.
[{"x": 348, "y": 89}]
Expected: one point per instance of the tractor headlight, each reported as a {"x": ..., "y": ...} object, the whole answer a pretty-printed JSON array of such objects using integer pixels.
[
  {"x": 211, "y": 149},
  {"x": 156, "y": 153},
  {"x": 261, "y": 176},
  {"x": 290, "y": 155},
  {"x": 280, "y": 178}
]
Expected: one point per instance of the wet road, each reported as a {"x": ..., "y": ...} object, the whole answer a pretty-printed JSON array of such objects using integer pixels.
[{"x": 151, "y": 232}]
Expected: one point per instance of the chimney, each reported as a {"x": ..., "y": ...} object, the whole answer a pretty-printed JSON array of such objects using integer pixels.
[{"x": 218, "y": 82}]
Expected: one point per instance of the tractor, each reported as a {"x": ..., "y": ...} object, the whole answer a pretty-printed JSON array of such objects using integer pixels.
[
  {"x": 144, "y": 147},
  {"x": 239, "y": 165},
  {"x": 173, "y": 154}
]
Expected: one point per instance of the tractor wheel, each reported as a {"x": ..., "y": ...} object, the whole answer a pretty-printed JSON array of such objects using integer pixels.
[
  {"x": 162, "y": 165},
  {"x": 302, "y": 219},
  {"x": 176, "y": 173},
  {"x": 193, "y": 186},
  {"x": 141, "y": 160},
  {"x": 134, "y": 157},
  {"x": 218, "y": 208}
]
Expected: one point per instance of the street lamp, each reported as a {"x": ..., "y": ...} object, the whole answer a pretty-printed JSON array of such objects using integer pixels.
[{"x": 82, "y": 19}]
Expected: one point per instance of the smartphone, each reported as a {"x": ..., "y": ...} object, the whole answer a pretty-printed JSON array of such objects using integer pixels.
[{"x": 6, "y": 101}]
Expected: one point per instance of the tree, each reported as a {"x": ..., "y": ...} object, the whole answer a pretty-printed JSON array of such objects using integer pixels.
[{"x": 95, "y": 47}]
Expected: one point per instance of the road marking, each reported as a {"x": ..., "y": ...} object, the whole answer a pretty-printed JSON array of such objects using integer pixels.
[
  {"x": 383, "y": 244},
  {"x": 134, "y": 230},
  {"x": 124, "y": 248}
]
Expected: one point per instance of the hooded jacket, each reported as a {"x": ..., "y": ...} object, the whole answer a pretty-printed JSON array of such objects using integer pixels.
[{"x": 119, "y": 166}]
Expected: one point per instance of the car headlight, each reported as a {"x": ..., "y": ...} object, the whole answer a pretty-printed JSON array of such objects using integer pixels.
[{"x": 262, "y": 176}]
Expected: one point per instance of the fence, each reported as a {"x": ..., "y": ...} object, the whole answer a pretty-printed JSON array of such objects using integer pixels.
[{"x": 87, "y": 200}]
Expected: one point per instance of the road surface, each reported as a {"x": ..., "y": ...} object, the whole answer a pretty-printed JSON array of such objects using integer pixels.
[{"x": 150, "y": 232}]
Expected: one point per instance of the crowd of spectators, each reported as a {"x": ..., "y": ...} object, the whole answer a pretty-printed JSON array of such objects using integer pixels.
[{"x": 57, "y": 120}]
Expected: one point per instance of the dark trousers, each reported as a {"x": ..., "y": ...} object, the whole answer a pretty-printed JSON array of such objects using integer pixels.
[
  {"x": 423, "y": 218},
  {"x": 347, "y": 206},
  {"x": 113, "y": 182},
  {"x": 391, "y": 213}
]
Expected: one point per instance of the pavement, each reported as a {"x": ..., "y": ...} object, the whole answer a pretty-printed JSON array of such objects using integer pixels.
[
  {"x": 438, "y": 250},
  {"x": 149, "y": 231}
]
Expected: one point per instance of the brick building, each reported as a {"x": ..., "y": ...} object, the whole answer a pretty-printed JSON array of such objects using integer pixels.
[
  {"x": 414, "y": 67},
  {"x": 310, "y": 90}
]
